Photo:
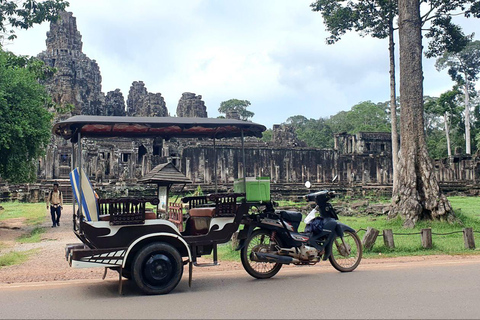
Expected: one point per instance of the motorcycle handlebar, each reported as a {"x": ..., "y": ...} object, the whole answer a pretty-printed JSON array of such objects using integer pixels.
[{"x": 326, "y": 194}]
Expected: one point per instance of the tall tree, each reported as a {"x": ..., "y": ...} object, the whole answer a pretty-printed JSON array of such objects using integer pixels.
[
  {"x": 24, "y": 103},
  {"x": 25, "y": 121},
  {"x": 235, "y": 108},
  {"x": 24, "y": 14},
  {"x": 375, "y": 18},
  {"x": 446, "y": 107},
  {"x": 418, "y": 194},
  {"x": 463, "y": 68}
]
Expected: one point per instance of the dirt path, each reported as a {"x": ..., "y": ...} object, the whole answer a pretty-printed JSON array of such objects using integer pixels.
[{"x": 47, "y": 263}]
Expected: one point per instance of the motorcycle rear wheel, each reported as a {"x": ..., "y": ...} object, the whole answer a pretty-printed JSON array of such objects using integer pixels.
[
  {"x": 260, "y": 241},
  {"x": 346, "y": 255}
]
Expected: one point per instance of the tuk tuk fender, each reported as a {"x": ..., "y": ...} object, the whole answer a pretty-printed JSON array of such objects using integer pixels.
[
  {"x": 159, "y": 237},
  {"x": 340, "y": 228},
  {"x": 243, "y": 235}
]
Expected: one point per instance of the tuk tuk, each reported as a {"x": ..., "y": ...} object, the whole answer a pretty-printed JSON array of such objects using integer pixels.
[{"x": 120, "y": 234}]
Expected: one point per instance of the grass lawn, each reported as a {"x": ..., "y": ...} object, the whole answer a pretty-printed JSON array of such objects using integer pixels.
[
  {"x": 33, "y": 236},
  {"x": 34, "y": 213},
  {"x": 15, "y": 257},
  {"x": 408, "y": 241}
]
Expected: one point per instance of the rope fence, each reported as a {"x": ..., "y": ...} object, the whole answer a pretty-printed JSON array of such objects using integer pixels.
[{"x": 371, "y": 235}]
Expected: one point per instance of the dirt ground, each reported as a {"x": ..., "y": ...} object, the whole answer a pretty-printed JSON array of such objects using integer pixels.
[{"x": 47, "y": 263}]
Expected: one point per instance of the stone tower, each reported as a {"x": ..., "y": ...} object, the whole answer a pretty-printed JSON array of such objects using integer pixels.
[
  {"x": 78, "y": 80},
  {"x": 191, "y": 105},
  {"x": 114, "y": 103},
  {"x": 142, "y": 103}
]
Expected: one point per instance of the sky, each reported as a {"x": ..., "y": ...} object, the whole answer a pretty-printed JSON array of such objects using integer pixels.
[{"x": 270, "y": 52}]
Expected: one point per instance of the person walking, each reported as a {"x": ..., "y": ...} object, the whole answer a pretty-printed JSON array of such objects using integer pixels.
[{"x": 55, "y": 201}]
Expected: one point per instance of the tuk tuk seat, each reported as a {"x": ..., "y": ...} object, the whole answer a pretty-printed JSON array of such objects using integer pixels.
[{"x": 119, "y": 211}]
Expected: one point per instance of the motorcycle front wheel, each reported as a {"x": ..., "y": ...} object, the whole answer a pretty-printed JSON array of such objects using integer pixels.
[
  {"x": 260, "y": 241},
  {"x": 346, "y": 252}
]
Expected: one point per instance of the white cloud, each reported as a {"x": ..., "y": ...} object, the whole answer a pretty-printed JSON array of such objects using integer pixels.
[{"x": 271, "y": 52}]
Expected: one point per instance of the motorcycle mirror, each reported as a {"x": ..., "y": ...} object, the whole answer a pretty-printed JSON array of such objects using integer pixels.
[{"x": 308, "y": 185}]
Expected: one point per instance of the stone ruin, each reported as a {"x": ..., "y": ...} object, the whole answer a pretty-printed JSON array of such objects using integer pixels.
[
  {"x": 78, "y": 80},
  {"x": 362, "y": 160},
  {"x": 285, "y": 135},
  {"x": 115, "y": 104},
  {"x": 191, "y": 105},
  {"x": 142, "y": 103}
]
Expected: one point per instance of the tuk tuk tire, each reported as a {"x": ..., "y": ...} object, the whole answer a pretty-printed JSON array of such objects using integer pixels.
[{"x": 157, "y": 268}]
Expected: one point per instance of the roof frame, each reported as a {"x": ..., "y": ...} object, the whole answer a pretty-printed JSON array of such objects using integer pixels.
[{"x": 151, "y": 127}]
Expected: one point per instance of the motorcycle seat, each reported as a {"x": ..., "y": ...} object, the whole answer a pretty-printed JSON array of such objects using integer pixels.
[{"x": 291, "y": 216}]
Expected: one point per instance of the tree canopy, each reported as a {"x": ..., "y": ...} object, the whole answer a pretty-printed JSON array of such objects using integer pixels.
[
  {"x": 24, "y": 14},
  {"x": 235, "y": 108},
  {"x": 365, "y": 116},
  {"x": 26, "y": 121},
  {"x": 315, "y": 133},
  {"x": 463, "y": 65},
  {"x": 464, "y": 68}
]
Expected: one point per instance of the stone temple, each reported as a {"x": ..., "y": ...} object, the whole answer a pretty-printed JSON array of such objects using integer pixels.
[{"x": 363, "y": 159}]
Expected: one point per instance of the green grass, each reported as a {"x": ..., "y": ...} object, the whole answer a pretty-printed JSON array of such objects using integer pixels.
[
  {"x": 15, "y": 257},
  {"x": 33, "y": 236},
  {"x": 34, "y": 213},
  {"x": 410, "y": 244},
  {"x": 466, "y": 210}
]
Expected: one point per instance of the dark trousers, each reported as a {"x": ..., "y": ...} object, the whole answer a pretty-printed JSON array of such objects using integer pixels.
[{"x": 55, "y": 213}]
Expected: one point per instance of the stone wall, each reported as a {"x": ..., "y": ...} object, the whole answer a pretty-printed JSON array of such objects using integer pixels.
[{"x": 364, "y": 143}]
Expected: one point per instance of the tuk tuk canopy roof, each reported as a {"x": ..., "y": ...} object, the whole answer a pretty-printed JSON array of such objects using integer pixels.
[{"x": 164, "y": 127}]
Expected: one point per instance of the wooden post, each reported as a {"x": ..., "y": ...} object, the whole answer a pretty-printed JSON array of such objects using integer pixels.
[
  {"x": 426, "y": 238},
  {"x": 370, "y": 237},
  {"x": 388, "y": 238},
  {"x": 468, "y": 238}
]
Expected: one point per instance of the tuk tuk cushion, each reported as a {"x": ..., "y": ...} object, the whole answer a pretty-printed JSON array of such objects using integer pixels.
[{"x": 202, "y": 212}]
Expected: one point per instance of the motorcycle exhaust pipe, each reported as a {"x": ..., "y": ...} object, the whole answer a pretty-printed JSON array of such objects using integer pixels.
[{"x": 268, "y": 257}]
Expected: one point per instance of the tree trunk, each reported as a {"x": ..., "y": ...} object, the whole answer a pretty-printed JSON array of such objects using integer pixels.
[
  {"x": 447, "y": 133},
  {"x": 393, "y": 105},
  {"x": 417, "y": 194},
  {"x": 467, "y": 117}
]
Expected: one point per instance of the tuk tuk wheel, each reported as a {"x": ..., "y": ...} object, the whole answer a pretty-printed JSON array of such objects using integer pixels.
[{"x": 157, "y": 268}]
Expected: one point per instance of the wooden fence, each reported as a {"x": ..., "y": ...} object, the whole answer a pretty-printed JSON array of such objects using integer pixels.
[{"x": 372, "y": 234}]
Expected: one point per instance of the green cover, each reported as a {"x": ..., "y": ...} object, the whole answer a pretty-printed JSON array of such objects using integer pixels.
[{"x": 258, "y": 189}]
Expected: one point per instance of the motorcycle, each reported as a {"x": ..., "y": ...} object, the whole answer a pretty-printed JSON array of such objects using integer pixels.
[{"x": 270, "y": 239}]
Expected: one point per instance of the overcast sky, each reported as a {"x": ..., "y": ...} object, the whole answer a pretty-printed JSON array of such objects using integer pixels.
[{"x": 270, "y": 52}]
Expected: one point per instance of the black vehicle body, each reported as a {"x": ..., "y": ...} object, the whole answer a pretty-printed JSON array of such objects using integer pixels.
[{"x": 117, "y": 234}]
